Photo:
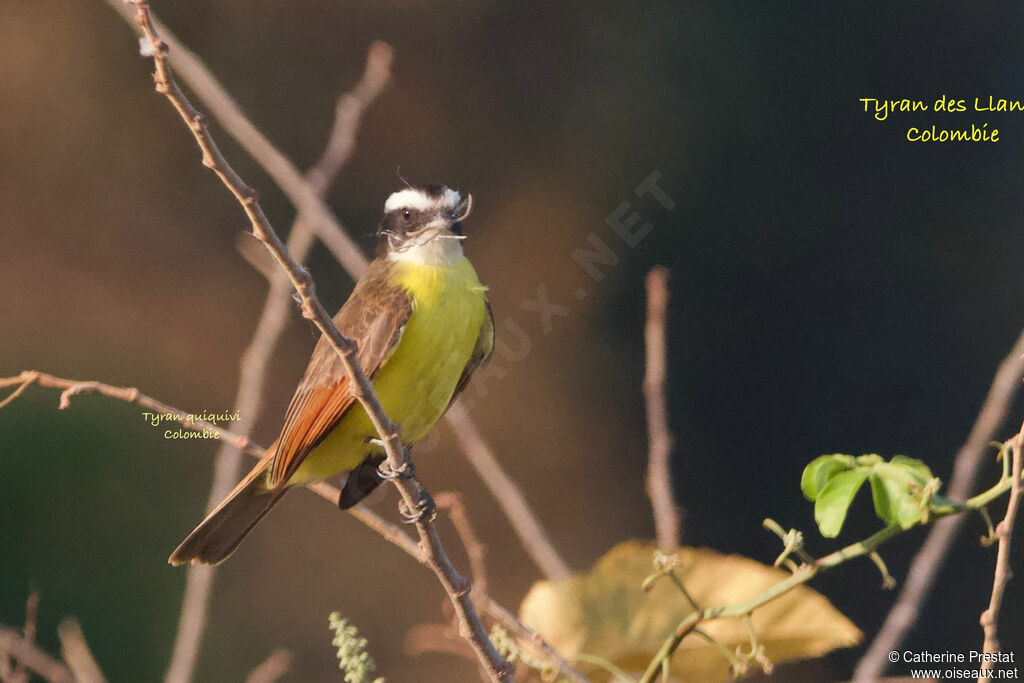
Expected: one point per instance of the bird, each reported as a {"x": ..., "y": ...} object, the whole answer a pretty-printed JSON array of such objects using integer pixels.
[{"x": 422, "y": 324}]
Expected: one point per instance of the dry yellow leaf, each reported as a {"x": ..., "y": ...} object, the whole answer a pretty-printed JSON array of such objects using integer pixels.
[{"x": 605, "y": 613}]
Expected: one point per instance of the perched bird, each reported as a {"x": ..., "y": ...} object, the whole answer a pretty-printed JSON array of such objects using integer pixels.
[{"x": 422, "y": 323}]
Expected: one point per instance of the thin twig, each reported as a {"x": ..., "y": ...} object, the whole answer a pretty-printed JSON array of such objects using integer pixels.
[
  {"x": 507, "y": 494},
  {"x": 1004, "y": 531},
  {"x": 444, "y": 637},
  {"x": 667, "y": 513},
  {"x": 408, "y": 486},
  {"x": 20, "y": 673},
  {"x": 272, "y": 668},
  {"x": 16, "y": 393},
  {"x": 26, "y": 652},
  {"x": 76, "y": 652},
  {"x": 256, "y": 357},
  {"x": 452, "y": 502},
  {"x": 390, "y": 532},
  {"x": 806, "y": 572},
  {"x": 930, "y": 559},
  {"x": 74, "y": 387},
  {"x": 300, "y": 192}
]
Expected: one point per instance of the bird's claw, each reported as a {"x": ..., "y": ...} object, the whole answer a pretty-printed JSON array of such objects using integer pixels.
[
  {"x": 426, "y": 508},
  {"x": 389, "y": 473}
]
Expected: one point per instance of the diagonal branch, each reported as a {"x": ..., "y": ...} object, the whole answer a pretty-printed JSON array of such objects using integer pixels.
[
  {"x": 300, "y": 193},
  {"x": 272, "y": 668},
  {"x": 28, "y": 654},
  {"x": 409, "y": 487},
  {"x": 390, "y": 532},
  {"x": 506, "y": 492},
  {"x": 76, "y": 652},
  {"x": 256, "y": 357}
]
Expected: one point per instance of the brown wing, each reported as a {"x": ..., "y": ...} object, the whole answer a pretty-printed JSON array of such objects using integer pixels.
[
  {"x": 481, "y": 353},
  {"x": 374, "y": 316}
]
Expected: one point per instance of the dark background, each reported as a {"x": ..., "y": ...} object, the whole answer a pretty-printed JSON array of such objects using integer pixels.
[{"x": 835, "y": 288}]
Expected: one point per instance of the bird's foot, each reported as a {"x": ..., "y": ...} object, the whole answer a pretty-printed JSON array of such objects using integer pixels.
[
  {"x": 426, "y": 508},
  {"x": 405, "y": 471}
]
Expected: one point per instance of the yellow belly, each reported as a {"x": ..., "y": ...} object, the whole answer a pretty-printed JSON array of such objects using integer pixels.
[{"x": 416, "y": 384}]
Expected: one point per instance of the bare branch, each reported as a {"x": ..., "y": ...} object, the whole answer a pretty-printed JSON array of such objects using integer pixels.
[
  {"x": 326, "y": 226},
  {"x": 328, "y": 492},
  {"x": 76, "y": 653},
  {"x": 506, "y": 492},
  {"x": 73, "y": 387},
  {"x": 1004, "y": 531},
  {"x": 25, "y": 652},
  {"x": 22, "y": 383},
  {"x": 256, "y": 357},
  {"x": 20, "y": 673},
  {"x": 932, "y": 555},
  {"x": 667, "y": 513},
  {"x": 284, "y": 173},
  {"x": 452, "y": 502},
  {"x": 272, "y": 668},
  {"x": 408, "y": 486}
]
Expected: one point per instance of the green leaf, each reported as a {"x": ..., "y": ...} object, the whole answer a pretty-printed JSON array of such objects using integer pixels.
[
  {"x": 820, "y": 470},
  {"x": 914, "y": 467},
  {"x": 894, "y": 503},
  {"x": 604, "y": 613},
  {"x": 834, "y": 500},
  {"x": 869, "y": 460},
  {"x": 896, "y": 488}
]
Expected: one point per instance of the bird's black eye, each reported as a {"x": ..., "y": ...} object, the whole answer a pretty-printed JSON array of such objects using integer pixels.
[{"x": 406, "y": 214}]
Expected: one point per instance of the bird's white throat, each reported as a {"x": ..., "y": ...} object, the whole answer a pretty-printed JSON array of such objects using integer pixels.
[{"x": 440, "y": 251}]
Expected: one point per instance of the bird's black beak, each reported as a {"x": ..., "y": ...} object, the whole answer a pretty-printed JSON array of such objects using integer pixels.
[{"x": 462, "y": 209}]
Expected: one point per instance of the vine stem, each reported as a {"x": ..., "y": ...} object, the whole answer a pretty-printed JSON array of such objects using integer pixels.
[
  {"x": 807, "y": 571},
  {"x": 1004, "y": 532}
]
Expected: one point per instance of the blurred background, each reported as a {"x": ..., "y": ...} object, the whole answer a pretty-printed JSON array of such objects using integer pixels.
[{"x": 834, "y": 288}]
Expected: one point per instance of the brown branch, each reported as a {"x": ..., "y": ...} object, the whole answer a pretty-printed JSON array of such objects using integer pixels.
[
  {"x": 300, "y": 193},
  {"x": 27, "y": 653},
  {"x": 667, "y": 513},
  {"x": 1004, "y": 531},
  {"x": 932, "y": 555},
  {"x": 506, "y": 492},
  {"x": 20, "y": 673},
  {"x": 76, "y": 652},
  {"x": 256, "y": 357},
  {"x": 328, "y": 492},
  {"x": 444, "y": 637},
  {"x": 452, "y": 502},
  {"x": 409, "y": 487},
  {"x": 283, "y": 172},
  {"x": 73, "y": 387},
  {"x": 272, "y": 668}
]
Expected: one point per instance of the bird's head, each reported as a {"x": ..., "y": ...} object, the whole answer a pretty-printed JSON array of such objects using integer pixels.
[{"x": 424, "y": 225}]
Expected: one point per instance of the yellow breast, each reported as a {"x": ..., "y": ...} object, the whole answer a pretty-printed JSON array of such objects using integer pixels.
[{"x": 416, "y": 383}]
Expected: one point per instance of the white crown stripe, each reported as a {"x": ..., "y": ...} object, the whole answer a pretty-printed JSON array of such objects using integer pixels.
[{"x": 419, "y": 201}]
